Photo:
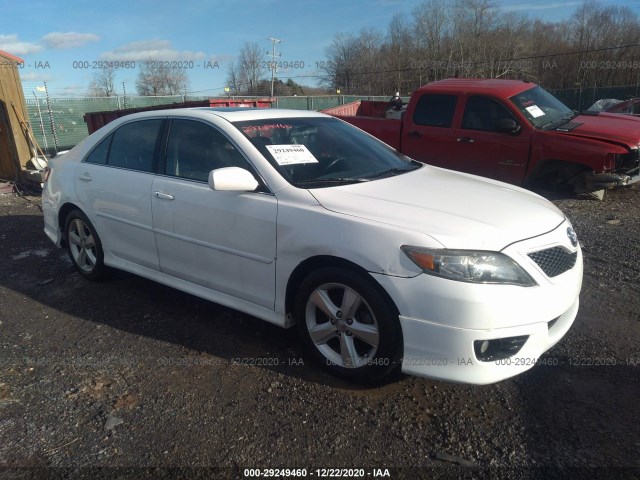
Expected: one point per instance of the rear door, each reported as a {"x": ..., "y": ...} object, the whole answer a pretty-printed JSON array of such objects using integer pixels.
[
  {"x": 221, "y": 240},
  {"x": 113, "y": 183},
  {"x": 482, "y": 150},
  {"x": 428, "y": 135}
]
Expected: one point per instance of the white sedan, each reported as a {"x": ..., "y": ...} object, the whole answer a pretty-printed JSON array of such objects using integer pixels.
[{"x": 300, "y": 219}]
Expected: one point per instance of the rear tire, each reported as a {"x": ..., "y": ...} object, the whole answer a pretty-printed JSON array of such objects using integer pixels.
[
  {"x": 348, "y": 325},
  {"x": 84, "y": 246}
]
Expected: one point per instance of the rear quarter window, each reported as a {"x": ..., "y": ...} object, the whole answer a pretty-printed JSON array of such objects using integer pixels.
[
  {"x": 435, "y": 110},
  {"x": 99, "y": 154}
]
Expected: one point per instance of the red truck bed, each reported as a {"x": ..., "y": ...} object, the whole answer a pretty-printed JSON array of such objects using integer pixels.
[{"x": 369, "y": 116}]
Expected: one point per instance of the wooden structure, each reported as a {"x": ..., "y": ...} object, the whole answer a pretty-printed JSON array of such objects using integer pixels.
[{"x": 15, "y": 146}]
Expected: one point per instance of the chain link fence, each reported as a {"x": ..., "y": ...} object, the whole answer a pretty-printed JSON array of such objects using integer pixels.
[
  {"x": 582, "y": 98},
  {"x": 58, "y": 123}
]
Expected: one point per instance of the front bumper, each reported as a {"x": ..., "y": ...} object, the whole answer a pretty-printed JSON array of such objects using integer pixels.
[
  {"x": 450, "y": 353},
  {"x": 592, "y": 182},
  {"x": 441, "y": 319}
]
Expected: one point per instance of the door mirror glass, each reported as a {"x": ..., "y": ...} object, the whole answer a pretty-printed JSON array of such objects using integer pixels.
[{"x": 234, "y": 179}]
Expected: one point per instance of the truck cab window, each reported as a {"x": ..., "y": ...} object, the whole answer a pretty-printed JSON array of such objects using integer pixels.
[{"x": 435, "y": 110}]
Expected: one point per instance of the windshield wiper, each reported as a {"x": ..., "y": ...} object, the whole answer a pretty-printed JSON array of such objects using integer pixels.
[
  {"x": 331, "y": 181},
  {"x": 559, "y": 121},
  {"x": 393, "y": 171}
]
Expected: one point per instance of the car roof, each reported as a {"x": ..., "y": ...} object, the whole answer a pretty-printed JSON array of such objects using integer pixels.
[
  {"x": 232, "y": 114},
  {"x": 498, "y": 87}
]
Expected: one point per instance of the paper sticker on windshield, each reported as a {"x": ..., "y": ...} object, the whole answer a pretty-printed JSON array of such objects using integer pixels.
[
  {"x": 535, "y": 111},
  {"x": 291, "y": 154}
]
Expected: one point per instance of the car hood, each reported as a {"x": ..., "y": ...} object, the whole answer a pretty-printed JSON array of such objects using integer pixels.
[
  {"x": 458, "y": 210},
  {"x": 608, "y": 127}
]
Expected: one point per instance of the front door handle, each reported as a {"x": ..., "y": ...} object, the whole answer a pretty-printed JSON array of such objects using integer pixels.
[
  {"x": 85, "y": 177},
  {"x": 414, "y": 134},
  {"x": 465, "y": 140},
  {"x": 164, "y": 196}
]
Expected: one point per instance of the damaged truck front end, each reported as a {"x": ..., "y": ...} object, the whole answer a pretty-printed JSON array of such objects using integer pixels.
[
  {"x": 584, "y": 162},
  {"x": 623, "y": 170}
]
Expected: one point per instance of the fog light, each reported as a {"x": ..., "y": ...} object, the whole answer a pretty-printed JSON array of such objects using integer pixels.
[{"x": 499, "y": 348}]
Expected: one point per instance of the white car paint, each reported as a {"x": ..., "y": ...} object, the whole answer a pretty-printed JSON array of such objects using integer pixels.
[{"x": 240, "y": 248}]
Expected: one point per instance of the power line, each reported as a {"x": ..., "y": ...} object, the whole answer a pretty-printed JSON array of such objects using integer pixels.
[{"x": 484, "y": 62}]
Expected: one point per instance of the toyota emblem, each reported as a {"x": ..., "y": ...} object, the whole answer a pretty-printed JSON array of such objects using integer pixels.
[{"x": 573, "y": 238}]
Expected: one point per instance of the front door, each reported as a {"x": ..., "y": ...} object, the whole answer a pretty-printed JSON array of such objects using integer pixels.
[
  {"x": 482, "y": 150},
  {"x": 224, "y": 241}
]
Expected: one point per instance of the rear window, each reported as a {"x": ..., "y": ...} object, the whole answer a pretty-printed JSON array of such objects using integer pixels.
[{"x": 435, "y": 110}]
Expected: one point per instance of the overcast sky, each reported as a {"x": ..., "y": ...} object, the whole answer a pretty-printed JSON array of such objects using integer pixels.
[{"x": 61, "y": 42}]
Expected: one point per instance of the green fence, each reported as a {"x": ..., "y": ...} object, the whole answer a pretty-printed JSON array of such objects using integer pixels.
[{"x": 64, "y": 116}]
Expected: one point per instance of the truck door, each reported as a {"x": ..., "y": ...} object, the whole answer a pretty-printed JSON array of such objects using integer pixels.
[
  {"x": 484, "y": 148},
  {"x": 427, "y": 135}
]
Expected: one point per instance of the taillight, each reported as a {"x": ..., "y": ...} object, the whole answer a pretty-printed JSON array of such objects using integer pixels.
[{"x": 46, "y": 171}]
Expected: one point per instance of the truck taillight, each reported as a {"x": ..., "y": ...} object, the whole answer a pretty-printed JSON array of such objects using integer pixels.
[{"x": 45, "y": 174}]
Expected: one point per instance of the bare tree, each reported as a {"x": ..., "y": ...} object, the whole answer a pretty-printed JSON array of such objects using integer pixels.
[
  {"x": 397, "y": 52},
  {"x": 431, "y": 25},
  {"x": 596, "y": 47},
  {"x": 102, "y": 84},
  {"x": 343, "y": 64},
  {"x": 156, "y": 77},
  {"x": 233, "y": 80},
  {"x": 244, "y": 77}
]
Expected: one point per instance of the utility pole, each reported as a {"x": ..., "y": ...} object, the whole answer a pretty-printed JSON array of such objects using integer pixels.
[{"x": 273, "y": 56}]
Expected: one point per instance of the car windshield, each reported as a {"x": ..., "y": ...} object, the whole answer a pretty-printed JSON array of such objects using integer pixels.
[
  {"x": 321, "y": 152},
  {"x": 541, "y": 108}
]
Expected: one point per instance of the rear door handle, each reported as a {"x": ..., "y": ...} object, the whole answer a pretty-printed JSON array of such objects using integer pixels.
[
  {"x": 164, "y": 196},
  {"x": 465, "y": 140},
  {"x": 85, "y": 177}
]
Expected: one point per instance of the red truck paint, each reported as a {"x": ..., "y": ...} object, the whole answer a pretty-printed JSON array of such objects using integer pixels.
[{"x": 585, "y": 152}]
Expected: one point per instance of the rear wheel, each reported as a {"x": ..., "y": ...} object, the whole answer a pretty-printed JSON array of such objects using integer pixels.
[
  {"x": 348, "y": 325},
  {"x": 84, "y": 246}
]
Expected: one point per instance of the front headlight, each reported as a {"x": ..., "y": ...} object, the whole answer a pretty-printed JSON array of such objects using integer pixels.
[{"x": 469, "y": 266}]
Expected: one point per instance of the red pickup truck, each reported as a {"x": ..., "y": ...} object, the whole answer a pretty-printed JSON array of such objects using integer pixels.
[{"x": 510, "y": 130}]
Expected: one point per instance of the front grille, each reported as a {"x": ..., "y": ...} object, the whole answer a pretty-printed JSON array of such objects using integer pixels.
[
  {"x": 554, "y": 261},
  {"x": 628, "y": 161}
]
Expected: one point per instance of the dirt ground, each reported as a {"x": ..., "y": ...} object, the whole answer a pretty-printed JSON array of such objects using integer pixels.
[{"x": 128, "y": 379}]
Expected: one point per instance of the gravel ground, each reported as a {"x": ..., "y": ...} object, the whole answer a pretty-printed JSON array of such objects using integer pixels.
[{"x": 131, "y": 374}]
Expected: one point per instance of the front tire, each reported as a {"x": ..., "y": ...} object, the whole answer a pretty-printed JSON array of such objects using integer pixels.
[
  {"x": 84, "y": 246},
  {"x": 348, "y": 325}
]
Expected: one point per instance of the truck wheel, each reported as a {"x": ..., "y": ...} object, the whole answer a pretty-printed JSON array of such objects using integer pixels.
[
  {"x": 348, "y": 326},
  {"x": 84, "y": 246}
]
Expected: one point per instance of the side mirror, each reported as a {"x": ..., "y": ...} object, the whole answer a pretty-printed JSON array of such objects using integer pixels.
[
  {"x": 233, "y": 179},
  {"x": 507, "y": 125}
]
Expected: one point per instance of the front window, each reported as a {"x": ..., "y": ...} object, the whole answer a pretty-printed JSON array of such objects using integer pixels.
[
  {"x": 482, "y": 113},
  {"x": 320, "y": 152},
  {"x": 195, "y": 148},
  {"x": 541, "y": 108}
]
